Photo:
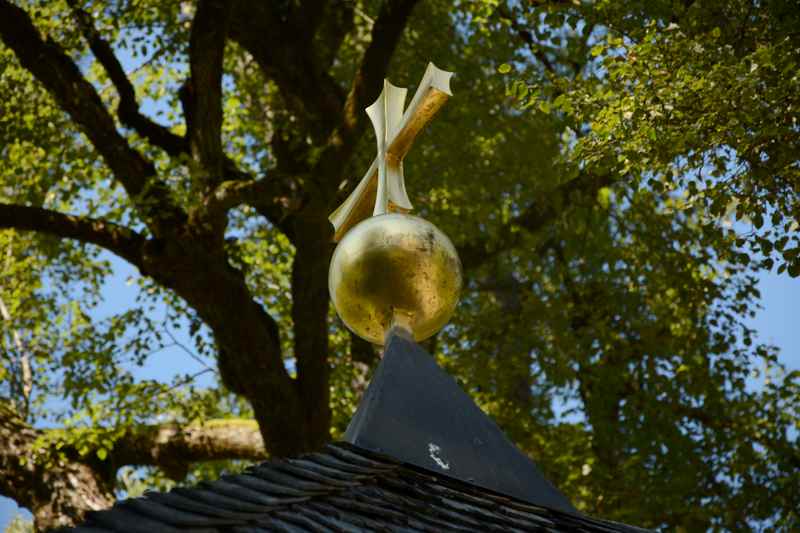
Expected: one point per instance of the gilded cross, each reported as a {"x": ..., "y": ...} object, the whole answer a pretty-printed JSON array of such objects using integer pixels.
[{"x": 395, "y": 131}]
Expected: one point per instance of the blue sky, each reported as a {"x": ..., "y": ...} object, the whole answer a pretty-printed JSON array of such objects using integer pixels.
[{"x": 778, "y": 322}]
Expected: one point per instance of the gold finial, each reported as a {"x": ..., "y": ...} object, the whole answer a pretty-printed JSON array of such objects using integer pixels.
[
  {"x": 393, "y": 269},
  {"x": 395, "y": 131}
]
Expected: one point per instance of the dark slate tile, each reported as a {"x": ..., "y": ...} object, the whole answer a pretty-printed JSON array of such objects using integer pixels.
[
  {"x": 346, "y": 453},
  {"x": 353, "y": 504},
  {"x": 477, "y": 499},
  {"x": 270, "y": 495},
  {"x": 331, "y": 461},
  {"x": 308, "y": 465},
  {"x": 478, "y": 513},
  {"x": 402, "y": 508},
  {"x": 297, "y": 517},
  {"x": 223, "y": 501},
  {"x": 176, "y": 517},
  {"x": 312, "y": 472},
  {"x": 277, "y": 494},
  {"x": 533, "y": 519},
  {"x": 125, "y": 521},
  {"x": 415, "y": 496},
  {"x": 196, "y": 505},
  {"x": 369, "y": 507},
  {"x": 350, "y": 516},
  {"x": 344, "y": 490},
  {"x": 273, "y": 523},
  {"x": 274, "y": 475},
  {"x": 333, "y": 522}
]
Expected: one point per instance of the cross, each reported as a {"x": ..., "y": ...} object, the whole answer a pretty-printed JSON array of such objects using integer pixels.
[{"x": 395, "y": 132}]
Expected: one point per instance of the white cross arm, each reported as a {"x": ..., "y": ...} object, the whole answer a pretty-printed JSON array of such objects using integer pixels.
[{"x": 395, "y": 132}]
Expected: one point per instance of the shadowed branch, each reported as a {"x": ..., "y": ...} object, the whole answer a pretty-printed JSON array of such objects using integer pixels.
[
  {"x": 174, "y": 449},
  {"x": 119, "y": 240},
  {"x": 532, "y": 219},
  {"x": 59, "y": 492},
  {"x": 128, "y": 108},
  {"x": 367, "y": 83},
  {"x": 203, "y": 93},
  {"x": 59, "y": 74}
]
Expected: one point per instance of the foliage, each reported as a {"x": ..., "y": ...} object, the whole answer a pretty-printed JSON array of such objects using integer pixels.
[
  {"x": 615, "y": 175},
  {"x": 19, "y": 525}
]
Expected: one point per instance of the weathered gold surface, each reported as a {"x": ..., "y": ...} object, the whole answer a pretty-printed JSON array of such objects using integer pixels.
[
  {"x": 395, "y": 131},
  {"x": 395, "y": 269}
]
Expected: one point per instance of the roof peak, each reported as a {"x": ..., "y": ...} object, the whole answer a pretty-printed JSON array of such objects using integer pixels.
[{"x": 416, "y": 413}]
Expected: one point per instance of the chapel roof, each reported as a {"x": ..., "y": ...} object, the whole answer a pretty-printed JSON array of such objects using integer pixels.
[
  {"x": 341, "y": 488},
  {"x": 418, "y": 455}
]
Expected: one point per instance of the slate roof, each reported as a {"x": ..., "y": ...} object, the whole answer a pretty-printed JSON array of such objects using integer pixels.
[
  {"x": 416, "y": 413},
  {"x": 342, "y": 488},
  {"x": 419, "y": 455}
]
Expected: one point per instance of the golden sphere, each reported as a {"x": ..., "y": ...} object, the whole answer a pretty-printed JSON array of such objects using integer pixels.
[{"x": 394, "y": 269}]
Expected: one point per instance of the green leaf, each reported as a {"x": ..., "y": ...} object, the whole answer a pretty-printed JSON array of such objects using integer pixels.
[{"x": 604, "y": 197}]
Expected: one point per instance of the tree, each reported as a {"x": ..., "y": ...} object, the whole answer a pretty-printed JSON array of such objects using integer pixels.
[{"x": 612, "y": 199}]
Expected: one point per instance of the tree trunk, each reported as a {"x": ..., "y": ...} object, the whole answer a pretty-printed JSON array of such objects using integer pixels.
[
  {"x": 57, "y": 493},
  {"x": 59, "y": 489},
  {"x": 247, "y": 338},
  {"x": 310, "y": 321}
]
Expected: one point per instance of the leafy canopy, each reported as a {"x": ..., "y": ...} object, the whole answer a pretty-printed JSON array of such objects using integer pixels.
[{"x": 615, "y": 175}]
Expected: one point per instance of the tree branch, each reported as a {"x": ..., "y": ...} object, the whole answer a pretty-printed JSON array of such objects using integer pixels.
[
  {"x": 281, "y": 46},
  {"x": 128, "y": 108},
  {"x": 270, "y": 195},
  {"x": 60, "y": 492},
  {"x": 174, "y": 449},
  {"x": 57, "y": 494},
  {"x": 334, "y": 24},
  {"x": 366, "y": 85},
  {"x": 21, "y": 379},
  {"x": 386, "y": 33},
  {"x": 249, "y": 355},
  {"x": 287, "y": 57},
  {"x": 48, "y": 62},
  {"x": 120, "y": 240},
  {"x": 204, "y": 89},
  {"x": 532, "y": 219},
  {"x": 725, "y": 423},
  {"x": 526, "y": 36}
]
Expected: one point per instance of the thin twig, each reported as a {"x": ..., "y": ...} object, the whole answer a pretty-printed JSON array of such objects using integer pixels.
[
  {"x": 189, "y": 352},
  {"x": 123, "y": 408},
  {"x": 22, "y": 360}
]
